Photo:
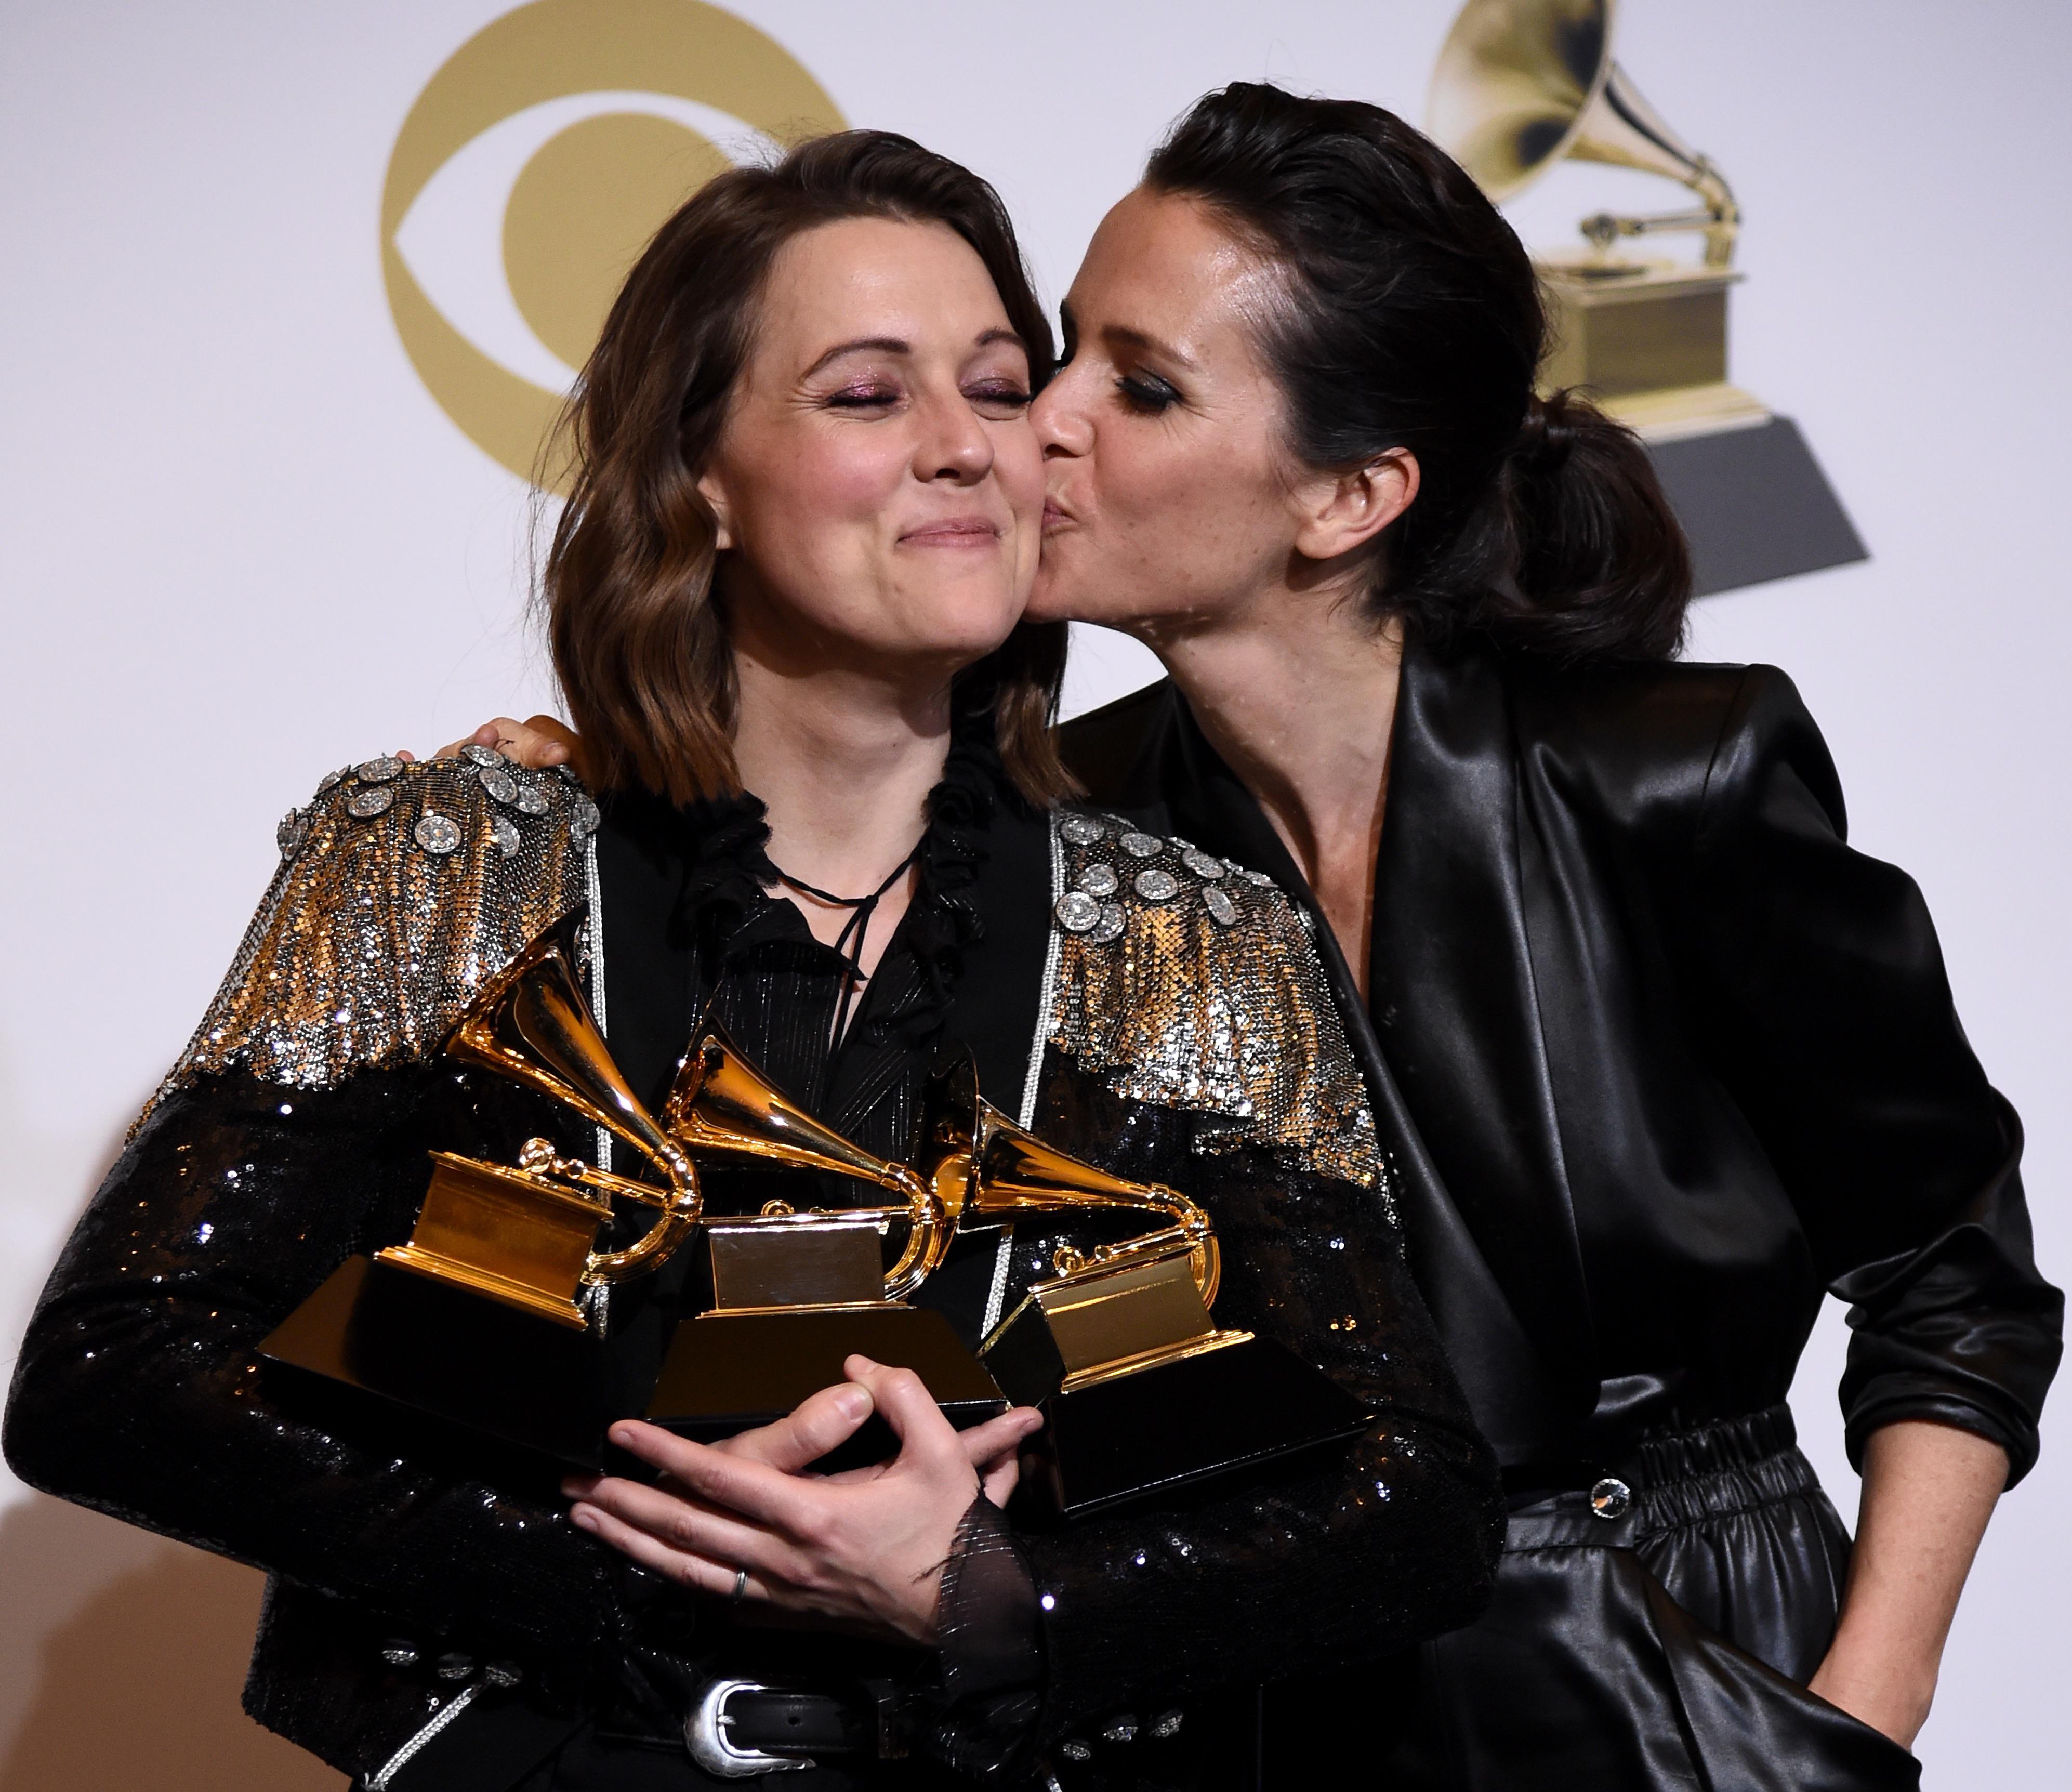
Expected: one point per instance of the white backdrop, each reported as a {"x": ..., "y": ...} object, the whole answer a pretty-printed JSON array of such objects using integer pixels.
[{"x": 239, "y": 544}]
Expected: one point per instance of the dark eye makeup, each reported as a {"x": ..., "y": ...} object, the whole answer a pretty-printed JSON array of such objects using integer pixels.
[{"x": 1146, "y": 392}]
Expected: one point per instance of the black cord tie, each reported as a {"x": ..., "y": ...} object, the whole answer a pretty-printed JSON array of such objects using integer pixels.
[{"x": 855, "y": 928}]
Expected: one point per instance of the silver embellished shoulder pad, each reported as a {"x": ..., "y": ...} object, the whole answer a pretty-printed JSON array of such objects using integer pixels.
[
  {"x": 1185, "y": 980},
  {"x": 402, "y": 889}
]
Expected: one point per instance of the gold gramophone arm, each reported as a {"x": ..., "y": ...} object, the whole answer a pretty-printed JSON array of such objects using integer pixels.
[
  {"x": 680, "y": 1207},
  {"x": 1720, "y": 219},
  {"x": 1191, "y": 1230}
]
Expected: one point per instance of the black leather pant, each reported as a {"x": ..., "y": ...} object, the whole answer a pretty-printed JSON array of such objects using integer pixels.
[{"x": 1667, "y": 1647}]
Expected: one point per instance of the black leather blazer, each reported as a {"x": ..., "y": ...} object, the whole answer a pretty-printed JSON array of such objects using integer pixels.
[{"x": 1673, "y": 1060}]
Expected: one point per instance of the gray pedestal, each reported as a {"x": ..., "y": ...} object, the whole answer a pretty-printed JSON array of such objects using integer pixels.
[{"x": 1755, "y": 505}]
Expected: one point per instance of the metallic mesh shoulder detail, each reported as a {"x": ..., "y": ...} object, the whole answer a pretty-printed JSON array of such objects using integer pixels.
[
  {"x": 402, "y": 889},
  {"x": 1185, "y": 980}
]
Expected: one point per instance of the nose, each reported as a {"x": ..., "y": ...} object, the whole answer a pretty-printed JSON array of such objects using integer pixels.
[
  {"x": 954, "y": 444},
  {"x": 1060, "y": 418}
]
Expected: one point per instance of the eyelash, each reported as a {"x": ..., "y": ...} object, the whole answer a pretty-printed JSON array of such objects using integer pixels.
[
  {"x": 1010, "y": 395},
  {"x": 1146, "y": 394}
]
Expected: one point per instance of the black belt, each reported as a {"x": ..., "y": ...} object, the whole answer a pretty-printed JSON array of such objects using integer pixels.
[{"x": 742, "y": 1727}]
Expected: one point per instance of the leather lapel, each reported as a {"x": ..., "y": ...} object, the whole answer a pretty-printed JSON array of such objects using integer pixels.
[
  {"x": 1503, "y": 1365},
  {"x": 1457, "y": 1007}
]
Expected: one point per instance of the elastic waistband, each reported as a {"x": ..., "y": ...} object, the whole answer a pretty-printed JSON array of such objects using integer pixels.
[{"x": 1684, "y": 1474}]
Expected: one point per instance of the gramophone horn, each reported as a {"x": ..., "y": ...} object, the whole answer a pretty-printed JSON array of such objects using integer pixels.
[
  {"x": 531, "y": 1024},
  {"x": 721, "y": 1106},
  {"x": 1521, "y": 84}
]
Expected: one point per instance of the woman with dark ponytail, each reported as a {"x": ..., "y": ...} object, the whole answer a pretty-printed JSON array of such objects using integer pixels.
[{"x": 1665, "y": 1059}]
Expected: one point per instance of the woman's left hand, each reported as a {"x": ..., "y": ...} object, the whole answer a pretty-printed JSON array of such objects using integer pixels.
[{"x": 861, "y": 1550}]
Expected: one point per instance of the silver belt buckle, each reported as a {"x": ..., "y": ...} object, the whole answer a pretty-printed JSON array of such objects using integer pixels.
[{"x": 705, "y": 1734}]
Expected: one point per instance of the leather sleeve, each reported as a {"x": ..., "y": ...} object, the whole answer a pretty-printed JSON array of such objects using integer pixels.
[
  {"x": 1325, "y": 1561},
  {"x": 139, "y": 1391},
  {"x": 1828, "y": 1015}
]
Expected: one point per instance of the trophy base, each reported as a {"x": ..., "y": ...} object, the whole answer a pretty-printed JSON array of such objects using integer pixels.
[
  {"x": 731, "y": 1371},
  {"x": 1133, "y": 1436},
  {"x": 471, "y": 1361}
]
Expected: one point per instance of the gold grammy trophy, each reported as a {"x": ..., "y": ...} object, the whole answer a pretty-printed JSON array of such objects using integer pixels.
[
  {"x": 477, "y": 1319},
  {"x": 1141, "y": 1390},
  {"x": 1522, "y": 85},
  {"x": 794, "y": 1292}
]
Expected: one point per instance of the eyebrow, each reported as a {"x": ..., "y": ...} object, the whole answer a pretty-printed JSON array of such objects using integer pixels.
[
  {"x": 899, "y": 345},
  {"x": 1128, "y": 338}
]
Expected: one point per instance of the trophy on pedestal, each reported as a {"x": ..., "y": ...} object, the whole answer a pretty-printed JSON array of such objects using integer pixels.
[
  {"x": 793, "y": 1292},
  {"x": 1142, "y": 1391},
  {"x": 1523, "y": 85},
  {"x": 476, "y": 1319}
]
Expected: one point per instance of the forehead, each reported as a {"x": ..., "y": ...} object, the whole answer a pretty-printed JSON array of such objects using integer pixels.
[
  {"x": 1170, "y": 266},
  {"x": 919, "y": 282}
]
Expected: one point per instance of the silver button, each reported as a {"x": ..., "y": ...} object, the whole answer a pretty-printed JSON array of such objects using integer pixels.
[
  {"x": 399, "y": 1654},
  {"x": 438, "y": 834},
  {"x": 532, "y": 799},
  {"x": 1611, "y": 1498},
  {"x": 1142, "y": 846},
  {"x": 587, "y": 819},
  {"x": 1222, "y": 910},
  {"x": 502, "y": 1674},
  {"x": 1157, "y": 886},
  {"x": 379, "y": 771},
  {"x": 1077, "y": 912},
  {"x": 1082, "y": 830},
  {"x": 500, "y": 784},
  {"x": 1112, "y": 922},
  {"x": 454, "y": 1666},
  {"x": 504, "y": 831},
  {"x": 1167, "y": 1725},
  {"x": 291, "y": 832},
  {"x": 1259, "y": 877},
  {"x": 1123, "y": 1729},
  {"x": 1099, "y": 880},
  {"x": 476, "y": 753},
  {"x": 329, "y": 781},
  {"x": 1073, "y": 1749},
  {"x": 367, "y": 803},
  {"x": 1202, "y": 864}
]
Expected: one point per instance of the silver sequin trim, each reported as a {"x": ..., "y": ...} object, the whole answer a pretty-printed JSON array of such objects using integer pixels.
[
  {"x": 1157, "y": 886},
  {"x": 1100, "y": 880},
  {"x": 1077, "y": 912},
  {"x": 436, "y": 833},
  {"x": 1142, "y": 846},
  {"x": 369, "y": 803}
]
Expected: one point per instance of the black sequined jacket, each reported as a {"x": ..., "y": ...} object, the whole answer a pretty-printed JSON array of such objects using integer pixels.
[
  {"x": 1676, "y": 1059},
  {"x": 1141, "y": 1003}
]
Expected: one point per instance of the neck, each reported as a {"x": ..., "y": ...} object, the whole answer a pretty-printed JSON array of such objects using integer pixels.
[
  {"x": 1297, "y": 692},
  {"x": 844, "y": 762}
]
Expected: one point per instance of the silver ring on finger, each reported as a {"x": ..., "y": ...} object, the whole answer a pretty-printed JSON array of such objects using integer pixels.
[{"x": 740, "y": 1587}]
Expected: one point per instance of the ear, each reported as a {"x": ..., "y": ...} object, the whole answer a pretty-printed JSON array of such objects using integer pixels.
[
  {"x": 714, "y": 494},
  {"x": 1340, "y": 512}
]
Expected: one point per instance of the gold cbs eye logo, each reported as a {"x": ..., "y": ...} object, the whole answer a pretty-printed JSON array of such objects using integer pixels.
[{"x": 533, "y": 170}]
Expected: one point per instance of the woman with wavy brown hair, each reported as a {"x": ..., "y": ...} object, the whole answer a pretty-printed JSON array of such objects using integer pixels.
[{"x": 785, "y": 604}]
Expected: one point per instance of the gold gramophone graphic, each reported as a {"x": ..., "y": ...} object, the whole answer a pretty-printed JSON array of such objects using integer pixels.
[
  {"x": 1520, "y": 85},
  {"x": 793, "y": 1292},
  {"x": 1141, "y": 1389},
  {"x": 477, "y": 1319}
]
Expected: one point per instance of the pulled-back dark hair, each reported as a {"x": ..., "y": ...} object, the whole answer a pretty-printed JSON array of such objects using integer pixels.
[
  {"x": 639, "y": 647},
  {"x": 1413, "y": 319}
]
